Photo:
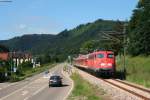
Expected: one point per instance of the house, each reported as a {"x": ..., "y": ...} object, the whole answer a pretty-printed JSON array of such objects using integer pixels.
[
  {"x": 20, "y": 57},
  {"x": 17, "y": 57},
  {"x": 4, "y": 56},
  {"x": 4, "y": 52}
]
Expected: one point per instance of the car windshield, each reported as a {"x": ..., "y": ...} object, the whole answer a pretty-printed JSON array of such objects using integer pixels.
[
  {"x": 54, "y": 77},
  {"x": 100, "y": 55}
]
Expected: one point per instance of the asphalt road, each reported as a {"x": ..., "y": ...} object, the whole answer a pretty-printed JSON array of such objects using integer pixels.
[{"x": 36, "y": 88}]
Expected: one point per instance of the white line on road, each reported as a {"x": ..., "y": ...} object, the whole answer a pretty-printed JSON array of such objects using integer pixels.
[
  {"x": 24, "y": 92},
  {"x": 17, "y": 90},
  {"x": 9, "y": 84},
  {"x": 72, "y": 85},
  {"x": 52, "y": 70},
  {"x": 14, "y": 92},
  {"x": 39, "y": 90},
  {"x": 26, "y": 98}
]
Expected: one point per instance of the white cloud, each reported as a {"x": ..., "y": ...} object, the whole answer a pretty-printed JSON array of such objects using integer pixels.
[{"x": 22, "y": 26}]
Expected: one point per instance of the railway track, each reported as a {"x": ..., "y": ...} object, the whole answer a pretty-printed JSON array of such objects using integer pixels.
[
  {"x": 133, "y": 89},
  {"x": 136, "y": 91},
  {"x": 143, "y": 89}
]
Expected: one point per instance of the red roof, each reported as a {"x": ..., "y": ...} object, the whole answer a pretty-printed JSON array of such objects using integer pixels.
[{"x": 4, "y": 56}]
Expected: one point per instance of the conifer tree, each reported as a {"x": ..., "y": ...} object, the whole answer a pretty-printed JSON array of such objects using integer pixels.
[{"x": 139, "y": 29}]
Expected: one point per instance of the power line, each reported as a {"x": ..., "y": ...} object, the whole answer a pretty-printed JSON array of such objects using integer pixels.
[{"x": 6, "y": 1}]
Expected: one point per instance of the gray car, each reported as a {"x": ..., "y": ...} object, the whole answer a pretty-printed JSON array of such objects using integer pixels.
[{"x": 55, "y": 80}]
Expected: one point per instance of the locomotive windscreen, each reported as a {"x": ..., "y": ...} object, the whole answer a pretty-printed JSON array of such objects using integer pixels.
[
  {"x": 110, "y": 55},
  {"x": 100, "y": 55}
]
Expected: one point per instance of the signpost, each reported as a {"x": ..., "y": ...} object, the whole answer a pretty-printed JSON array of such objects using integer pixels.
[
  {"x": 69, "y": 59},
  {"x": 124, "y": 51},
  {"x": 14, "y": 69},
  {"x": 70, "y": 64}
]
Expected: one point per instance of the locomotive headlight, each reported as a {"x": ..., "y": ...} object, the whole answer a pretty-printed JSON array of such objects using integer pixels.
[
  {"x": 103, "y": 64},
  {"x": 109, "y": 64}
]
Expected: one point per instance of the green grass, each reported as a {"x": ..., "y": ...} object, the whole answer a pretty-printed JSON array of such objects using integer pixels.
[
  {"x": 83, "y": 90},
  {"x": 31, "y": 72},
  {"x": 138, "y": 69}
]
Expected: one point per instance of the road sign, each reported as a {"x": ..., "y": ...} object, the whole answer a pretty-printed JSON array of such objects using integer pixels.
[
  {"x": 6, "y": 74},
  {"x": 14, "y": 69}
]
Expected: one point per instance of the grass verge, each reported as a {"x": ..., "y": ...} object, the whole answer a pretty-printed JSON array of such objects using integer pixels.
[
  {"x": 138, "y": 69},
  {"x": 83, "y": 90}
]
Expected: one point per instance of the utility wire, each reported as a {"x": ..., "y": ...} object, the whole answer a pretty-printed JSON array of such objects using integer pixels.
[{"x": 6, "y": 1}]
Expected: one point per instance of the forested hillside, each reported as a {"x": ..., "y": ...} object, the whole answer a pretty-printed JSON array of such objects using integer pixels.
[
  {"x": 82, "y": 39},
  {"x": 33, "y": 43}
]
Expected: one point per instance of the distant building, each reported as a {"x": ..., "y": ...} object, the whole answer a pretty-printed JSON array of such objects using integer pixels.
[
  {"x": 4, "y": 56},
  {"x": 4, "y": 53},
  {"x": 17, "y": 57},
  {"x": 20, "y": 57}
]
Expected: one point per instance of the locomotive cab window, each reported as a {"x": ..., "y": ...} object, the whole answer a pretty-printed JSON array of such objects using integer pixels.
[
  {"x": 110, "y": 55},
  {"x": 100, "y": 55},
  {"x": 91, "y": 56}
]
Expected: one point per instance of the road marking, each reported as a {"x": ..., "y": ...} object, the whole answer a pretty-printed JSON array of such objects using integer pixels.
[
  {"x": 46, "y": 76},
  {"x": 24, "y": 92},
  {"x": 26, "y": 98},
  {"x": 42, "y": 88},
  {"x": 35, "y": 81},
  {"x": 15, "y": 91},
  {"x": 9, "y": 84},
  {"x": 18, "y": 90},
  {"x": 72, "y": 85},
  {"x": 39, "y": 90},
  {"x": 51, "y": 70}
]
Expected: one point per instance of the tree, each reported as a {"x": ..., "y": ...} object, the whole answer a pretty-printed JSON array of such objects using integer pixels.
[
  {"x": 3, "y": 48},
  {"x": 119, "y": 26},
  {"x": 88, "y": 46},
  {"x": 138, "y": 29}
]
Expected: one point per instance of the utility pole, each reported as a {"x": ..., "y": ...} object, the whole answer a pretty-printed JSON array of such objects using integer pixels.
[
  {"x": 11, "y": 65},
  {"x": 124, "y": 50}
]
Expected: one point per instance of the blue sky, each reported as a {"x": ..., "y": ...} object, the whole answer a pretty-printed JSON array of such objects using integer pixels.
[{"x": 52, "y": 16}]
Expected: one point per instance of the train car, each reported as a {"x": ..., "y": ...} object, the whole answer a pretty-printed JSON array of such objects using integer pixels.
[
  {"x": 81, "y": 60},
  {"x": 101, "y": 62}
]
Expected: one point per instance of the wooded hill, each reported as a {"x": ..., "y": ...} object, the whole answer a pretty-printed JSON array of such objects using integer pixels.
[{"x": 82, "y": 39}]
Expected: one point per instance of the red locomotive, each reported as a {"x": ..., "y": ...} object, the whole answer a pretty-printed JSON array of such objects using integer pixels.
[{"x": 101, "y": 62}]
